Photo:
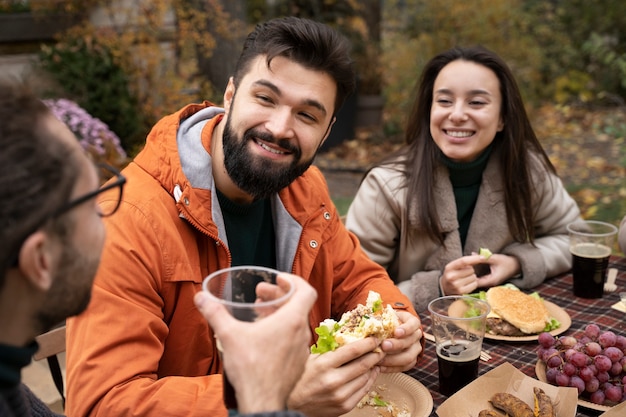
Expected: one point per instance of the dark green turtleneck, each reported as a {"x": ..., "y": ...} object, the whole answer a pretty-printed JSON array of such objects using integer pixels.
[
  {"x": 12, "y": 360},
  {"x": 466, "y": 178},
  {"x": 250, "y": 232}
]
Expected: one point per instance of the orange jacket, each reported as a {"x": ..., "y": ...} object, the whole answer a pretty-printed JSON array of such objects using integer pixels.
[{"x": 142, "y": 348}]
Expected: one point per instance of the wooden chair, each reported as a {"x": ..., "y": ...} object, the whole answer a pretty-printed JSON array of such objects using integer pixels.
[{"x": 50, "y": 345}]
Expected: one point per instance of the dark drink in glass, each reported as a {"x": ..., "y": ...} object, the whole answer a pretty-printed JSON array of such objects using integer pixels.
[
  {"x": 590, "y": 262},
  {"x": 458, "y": 366}
]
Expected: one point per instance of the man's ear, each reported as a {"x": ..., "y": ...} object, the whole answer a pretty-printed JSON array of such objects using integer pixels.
[
  {"x": 229, "y": 93},
  {"x": 35, "y": 260},
  {"x": 330, "y": 126}
]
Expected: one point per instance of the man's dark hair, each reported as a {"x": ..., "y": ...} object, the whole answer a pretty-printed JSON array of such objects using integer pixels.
[
  {"x": 37, "y": 174},
  {"x": 313, "y": 45}
]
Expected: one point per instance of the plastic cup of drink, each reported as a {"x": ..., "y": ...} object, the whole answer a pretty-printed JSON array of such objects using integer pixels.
[
  {"x": 590, "y": 244},
  {"x": 236, "y": 288},
  {"x": 458, "y": 324}
]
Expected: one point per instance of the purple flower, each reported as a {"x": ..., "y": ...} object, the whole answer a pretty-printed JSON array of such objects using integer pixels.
[{"x": 92, "y": 133}]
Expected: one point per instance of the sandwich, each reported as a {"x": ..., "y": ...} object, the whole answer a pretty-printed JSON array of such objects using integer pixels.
[
  {"x": 371, "y": 319},
  {"x": 514, "y": 313}
]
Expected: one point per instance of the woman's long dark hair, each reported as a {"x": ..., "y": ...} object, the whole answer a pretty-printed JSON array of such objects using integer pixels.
[{"x": 515, "y": 143}]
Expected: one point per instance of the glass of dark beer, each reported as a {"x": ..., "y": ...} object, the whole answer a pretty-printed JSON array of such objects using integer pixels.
[
  {"x": 458, "y": 324},
  {"x": 236, "y": 288},
  {"x": 590, "y": 243}
]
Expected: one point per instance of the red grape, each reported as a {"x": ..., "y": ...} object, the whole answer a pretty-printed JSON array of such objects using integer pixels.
[
  {"x": 612, "y": 392},
  {"x": 579, "y": 359},
  {"x": 566, "y": 342},
  {"x": 613, "y": 353},
  {"x": 602, "y": 363},
  {"x": 592, "y": 385},
  {"x": 585, "y": 373},
  {"x": 567, "y": 355},
  {"x": 547, "y": 353},
  {"x": 569, "y": 369},
  {"x": 562, "y": 379},
  {"x": 597, "y": 397},
  {"x": 551, "y": 374},
  {"x": 554, "y": 361},
  {"x": 607, "y": 338},
  {"x": 579, "y": 384},
  {"x": 593, "y": 348},
  {"x": 616, "y": 369},
  {"x": 546, "y": 340},
  {"x": 592, "y": 331}
]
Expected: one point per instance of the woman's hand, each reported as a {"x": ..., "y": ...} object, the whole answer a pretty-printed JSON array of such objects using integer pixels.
[
  {"x": 501, "y": 269},
  {"x": 459, "y": 276}
]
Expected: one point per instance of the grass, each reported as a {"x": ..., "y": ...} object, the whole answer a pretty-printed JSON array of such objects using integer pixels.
[{"x": 342, "y": 204}]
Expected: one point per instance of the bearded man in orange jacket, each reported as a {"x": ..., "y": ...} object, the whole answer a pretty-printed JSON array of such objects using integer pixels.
[{"x": 216, "y": 187}]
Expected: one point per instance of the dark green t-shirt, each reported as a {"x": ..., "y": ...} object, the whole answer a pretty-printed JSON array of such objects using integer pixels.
[{"x": 250, "y": 232}]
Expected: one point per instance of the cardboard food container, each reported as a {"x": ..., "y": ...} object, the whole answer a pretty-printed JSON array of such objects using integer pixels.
[
  {"x": 506, "y": 378},
  {"x": 617, "y": 411}
]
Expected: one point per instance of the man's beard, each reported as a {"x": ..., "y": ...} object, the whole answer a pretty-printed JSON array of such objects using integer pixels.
[
  {"x": 257, "y": 176},
  {"x": 70, "y": 292}
]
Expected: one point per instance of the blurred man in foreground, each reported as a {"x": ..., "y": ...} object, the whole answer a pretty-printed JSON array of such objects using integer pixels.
[{"x": 51, "y": 238}]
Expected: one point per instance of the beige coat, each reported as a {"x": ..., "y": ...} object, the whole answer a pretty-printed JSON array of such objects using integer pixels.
[{"x": 378, "y": 213}]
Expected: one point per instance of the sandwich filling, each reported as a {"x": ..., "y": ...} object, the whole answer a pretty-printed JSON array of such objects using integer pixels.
[{"x": 371, "y": 319}]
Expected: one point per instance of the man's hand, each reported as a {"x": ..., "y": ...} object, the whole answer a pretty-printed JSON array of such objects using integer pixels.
[
  {"x": 404, "y": 348},
  {"x": 264, "y": 359},
  {"x": 334, "y": 382}
]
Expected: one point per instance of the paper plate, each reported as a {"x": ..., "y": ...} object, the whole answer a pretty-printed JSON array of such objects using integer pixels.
[
  {"x": 555, "y": 311},
  {"x": 401, "y": 390},
  {"x": 540, "y": 371}
]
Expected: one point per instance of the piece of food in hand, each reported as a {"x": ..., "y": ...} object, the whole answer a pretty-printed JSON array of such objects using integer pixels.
[
  {"x": 543, "y": 404},
  {"x": 511, "y": 405},
  {"x": 485, "y": 252},
  {"x": 514, "y": 313},
  {"x": 371, "y": 319}
]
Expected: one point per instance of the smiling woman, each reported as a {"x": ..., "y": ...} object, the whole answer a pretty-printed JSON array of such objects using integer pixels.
[{"x": 472, "y": 174}]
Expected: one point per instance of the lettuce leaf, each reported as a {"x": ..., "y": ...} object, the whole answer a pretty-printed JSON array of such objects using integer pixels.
[
  {"x": 326, "y": 341},
  {"x": 379, "y": 402},
  {"x": 553, "y": 324}
]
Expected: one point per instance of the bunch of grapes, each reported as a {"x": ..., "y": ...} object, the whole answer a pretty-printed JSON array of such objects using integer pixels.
[{"x": 593, "y": 362}]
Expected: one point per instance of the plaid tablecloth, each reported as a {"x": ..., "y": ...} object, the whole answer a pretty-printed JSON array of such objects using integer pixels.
[{"x": 523, "y": 355}]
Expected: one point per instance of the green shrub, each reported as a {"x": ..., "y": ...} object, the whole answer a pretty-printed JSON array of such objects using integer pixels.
[{"x": 89, "y": 74}]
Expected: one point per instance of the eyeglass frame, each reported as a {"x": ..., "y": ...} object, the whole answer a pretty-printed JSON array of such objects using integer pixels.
[{"x": 120, "y": 181}]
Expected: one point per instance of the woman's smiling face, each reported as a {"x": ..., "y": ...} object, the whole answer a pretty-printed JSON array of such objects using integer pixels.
[{"x": 465, "y": 112}]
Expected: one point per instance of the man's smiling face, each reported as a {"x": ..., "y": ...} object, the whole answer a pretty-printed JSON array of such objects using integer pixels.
[{"x": 276, "y": 120}]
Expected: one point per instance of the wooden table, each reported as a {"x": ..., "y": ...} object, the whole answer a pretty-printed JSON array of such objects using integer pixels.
[{"x": 523, "y": 355}]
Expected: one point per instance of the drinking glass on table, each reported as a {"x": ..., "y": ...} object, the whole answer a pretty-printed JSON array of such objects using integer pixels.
[
  {"x": 458, "y": 324},
  {"x": 249, "y": 293},
  {"x": 590, "y": 244}
]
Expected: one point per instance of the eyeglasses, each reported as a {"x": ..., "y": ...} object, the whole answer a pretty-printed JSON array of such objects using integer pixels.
[{"x": 106, "y": 171}]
